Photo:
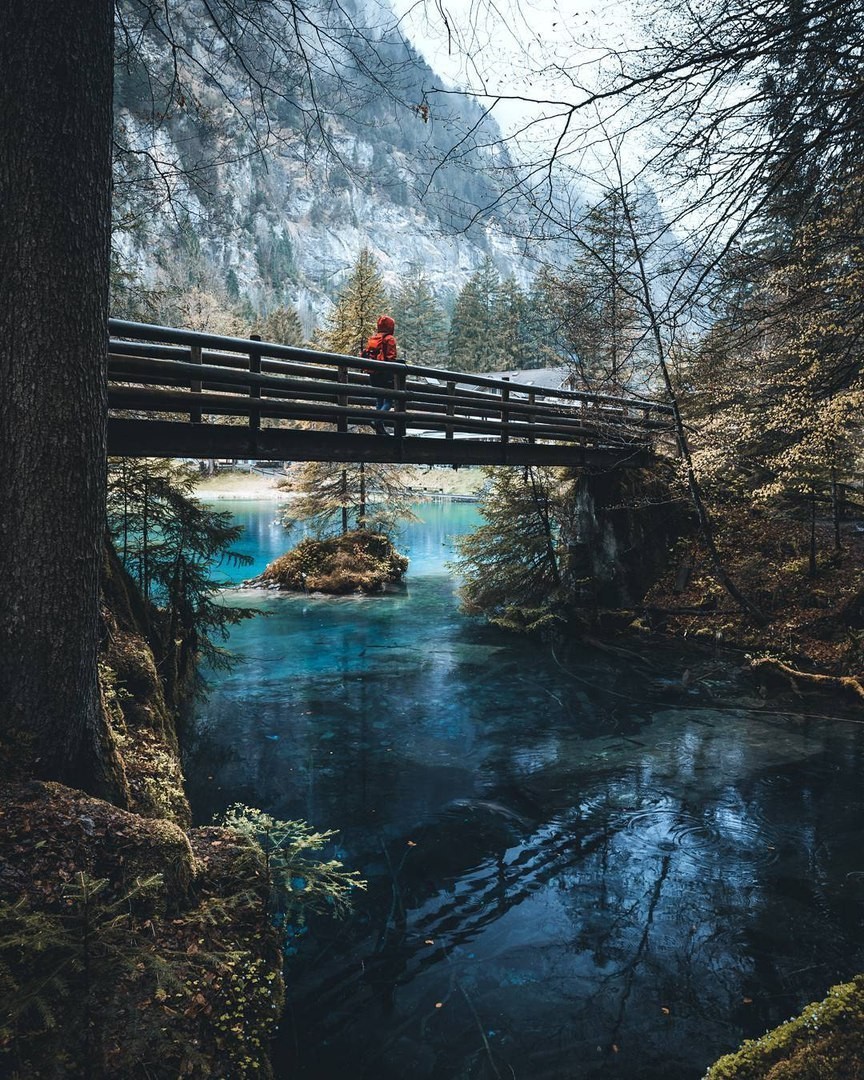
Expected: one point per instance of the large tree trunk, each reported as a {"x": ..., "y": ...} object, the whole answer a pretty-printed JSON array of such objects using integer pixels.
[{"x": 55, "y": 185}]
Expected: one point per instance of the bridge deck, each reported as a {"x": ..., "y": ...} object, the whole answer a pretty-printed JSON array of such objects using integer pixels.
[{"x": 179, "y": 393}]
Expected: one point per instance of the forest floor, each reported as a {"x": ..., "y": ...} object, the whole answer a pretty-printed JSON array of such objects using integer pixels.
[
  {"x": 130, "y": 947},
  {"x": 815, "y": 620},
  {"x": 424, "y": 481}
]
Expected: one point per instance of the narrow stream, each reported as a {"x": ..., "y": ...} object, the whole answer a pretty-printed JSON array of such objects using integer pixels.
[{"x": 579, "y": 866}]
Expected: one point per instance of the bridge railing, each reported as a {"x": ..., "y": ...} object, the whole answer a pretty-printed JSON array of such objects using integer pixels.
[{"x": 187, "y": 375}]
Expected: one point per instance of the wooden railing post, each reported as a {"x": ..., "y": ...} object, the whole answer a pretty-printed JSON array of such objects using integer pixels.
[
  {"x": 532, "y": 396},
  {"x": 254, "y": 389},
  {"x": 505, "y": 413},
  {"x": 342, "y": 399},
  {"x": 451, "y": 390},
  {"x": 195, "y": 385},
  {"x": 400, "y": 405}
]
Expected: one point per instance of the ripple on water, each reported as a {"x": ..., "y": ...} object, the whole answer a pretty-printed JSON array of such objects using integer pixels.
[{"x": 700, "y": 842}]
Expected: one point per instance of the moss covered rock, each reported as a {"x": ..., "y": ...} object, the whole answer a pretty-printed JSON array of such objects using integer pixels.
[
  {"x": 826, "y": 1042},
  {"x": 357, "y": 561},
  {"x": 130, "y": 948},
  {"x": 141, "y": 720}
]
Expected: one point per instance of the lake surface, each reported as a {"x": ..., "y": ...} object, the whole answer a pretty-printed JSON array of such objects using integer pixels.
[{"x": 580, "y": 866}]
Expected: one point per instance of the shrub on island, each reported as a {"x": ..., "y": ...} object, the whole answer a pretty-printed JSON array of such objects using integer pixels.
[{"x": 358, "y": 561}]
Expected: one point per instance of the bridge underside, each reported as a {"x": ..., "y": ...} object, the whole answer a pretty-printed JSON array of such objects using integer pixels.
[{"x": 138, "y": 438}]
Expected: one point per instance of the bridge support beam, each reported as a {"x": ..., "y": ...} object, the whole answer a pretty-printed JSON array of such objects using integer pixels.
[{"x": 167, "y": 438}]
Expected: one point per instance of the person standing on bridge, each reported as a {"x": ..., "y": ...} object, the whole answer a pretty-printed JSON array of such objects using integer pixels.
[{"x": 382, "y": 346}]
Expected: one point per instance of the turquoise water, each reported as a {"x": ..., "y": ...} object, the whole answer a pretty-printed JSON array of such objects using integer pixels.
[{"x": 580, "y": 866}]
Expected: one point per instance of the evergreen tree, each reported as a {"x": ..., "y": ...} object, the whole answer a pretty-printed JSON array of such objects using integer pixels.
[
  {"x": 514, "y": 567},
  {"x": 777, "y": 387},
  {"x": 798, "y": 102},
  {"x": 421, "y": 322},
  {"x": 335, "y": 497},
  {"x": 476, "y": 339},
  {"x": 282, "y": 326},
  {"x": 55, "y": 191},
  {"x": 359, "y": 303},
  {"x": 169, "y": 543},
  {"x": 538, "y": 329},
  {"x": 599, "y": 321},
  {"x": 519, "y": 347}
]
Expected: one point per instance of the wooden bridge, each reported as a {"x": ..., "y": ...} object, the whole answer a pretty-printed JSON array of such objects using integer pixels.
[{"x": 180, "y": 393}]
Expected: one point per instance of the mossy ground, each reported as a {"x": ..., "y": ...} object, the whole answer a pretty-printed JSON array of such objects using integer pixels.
[
  {"x": 358, "y": 561},
  {"x": 172, "y": 969},
  {"x": 131, "y": 946}
]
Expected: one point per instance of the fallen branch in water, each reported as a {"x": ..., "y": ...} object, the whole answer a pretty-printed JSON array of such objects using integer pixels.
[
  {"x": 615, "y": 650},
  {"x": 834, "y": 682}
]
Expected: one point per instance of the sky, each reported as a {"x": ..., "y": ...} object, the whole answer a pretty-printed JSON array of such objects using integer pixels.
[
  {"x": 524, "y": 49},
  {"x": 516, "y": 48}
]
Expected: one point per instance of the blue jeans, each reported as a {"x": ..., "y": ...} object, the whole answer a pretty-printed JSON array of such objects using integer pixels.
[{"x": 382, "y": 404}]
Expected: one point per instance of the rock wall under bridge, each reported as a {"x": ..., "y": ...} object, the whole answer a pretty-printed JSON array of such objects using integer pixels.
[{"x": 626, "y": 522}]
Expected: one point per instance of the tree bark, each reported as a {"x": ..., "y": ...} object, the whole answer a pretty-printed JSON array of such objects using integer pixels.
[
  {"x": 56, "y": 63},
  {"x": 361, "y": 517},
  {"x": 835, "y": 510}
]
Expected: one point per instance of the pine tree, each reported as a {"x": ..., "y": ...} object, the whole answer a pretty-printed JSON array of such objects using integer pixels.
[
  {"x": 281, "y": 325},
  {"x": 520, "y": 348},
  {"x": 599, "y": 321},
  {"x": 54, "y": 244},
  {"x": 170, "y": 543},
  {"x": 476, "y": 339},
  {"x": 514, "y": 567},
  {"x": 359, "y": 303},
  {"x": 778, "y": 385},
  {"x": 338, "y": 496},
  {"x": 421, "y": 322}
]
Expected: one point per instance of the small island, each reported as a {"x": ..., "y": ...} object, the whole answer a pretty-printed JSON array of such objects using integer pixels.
[
  {"x": 356, "y": 561},
  {"x": 326, "y": 498}
]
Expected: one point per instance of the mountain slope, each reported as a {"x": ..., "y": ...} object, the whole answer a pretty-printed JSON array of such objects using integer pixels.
[{"x": 241, "y": 177}]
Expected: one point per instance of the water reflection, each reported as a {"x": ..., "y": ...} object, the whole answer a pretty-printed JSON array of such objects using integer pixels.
[{"x": 578, "y": 866}]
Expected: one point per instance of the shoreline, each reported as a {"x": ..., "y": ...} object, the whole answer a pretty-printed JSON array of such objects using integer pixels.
[{"x": 443, "y": 486}]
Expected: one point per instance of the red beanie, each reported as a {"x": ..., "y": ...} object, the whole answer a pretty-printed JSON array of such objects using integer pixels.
[{"x": 386, "y": 325}]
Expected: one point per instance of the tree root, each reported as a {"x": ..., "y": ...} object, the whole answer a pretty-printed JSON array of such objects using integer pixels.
[{"x": 852, "y": 683}]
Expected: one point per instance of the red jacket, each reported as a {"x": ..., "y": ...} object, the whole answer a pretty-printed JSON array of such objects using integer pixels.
[{"x": 382, "y": 346}]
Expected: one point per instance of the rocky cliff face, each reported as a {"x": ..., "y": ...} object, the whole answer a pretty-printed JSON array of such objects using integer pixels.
[{"x": 270, "y": 211}]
